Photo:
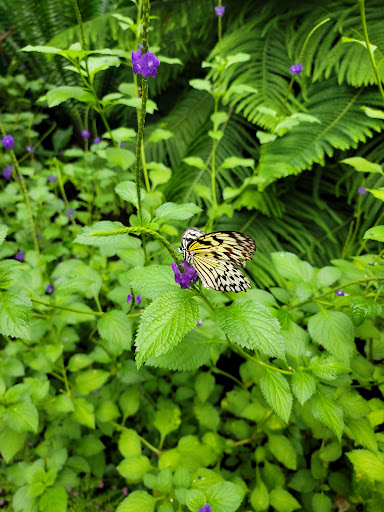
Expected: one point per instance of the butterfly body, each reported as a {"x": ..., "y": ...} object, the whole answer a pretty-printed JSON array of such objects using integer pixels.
[{"x": 216, "y": 256}]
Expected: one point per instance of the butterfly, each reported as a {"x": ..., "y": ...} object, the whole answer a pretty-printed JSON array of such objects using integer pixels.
[{"x": 216, "y": 256}]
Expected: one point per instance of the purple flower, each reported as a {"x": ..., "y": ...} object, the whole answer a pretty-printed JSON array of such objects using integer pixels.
[
  {"x": 8, "y": 142},
  {"x": 144, "y": 65},
  {"x": 19, "y": 256},
  {"x": 296, "y": 69},
  {"x": 340, "y": 293},
  {"x": 206, "y": 508},
  {"x": 220, "y": 10},
  {"x": 70, "y": 213},
  {"x": 184, "y": 280},
  {"x": 199, "y": 322},
  {"x": 30, "y": 149},
  {"x": 76, "y": 493},
  {"x": 129, "y": 298},
  {"x": 96, "y": 140},
  {"x": 1, "y": 490},
  {"x": 138, "y": 299},
  {"x": 69, "y": 489},
  {"x": 2, "y": 502},
  {"x": 85, "y": 134},
  {"x": 101, "y": 485},
  {"x": 30, "y": 443},
  {"x": 49, "y": 289},
  {"x": 52, "y": 179},
  {"x": 44, "y": 78},
  {"x": 362, "y": 191},
  {"x": 38, "y": 236},
  {"x": 7, "y": 172},
  {"x": 125, "y": 491},
  {"x": 22, "y": 65},
  {"x": 121, "y": 144}
]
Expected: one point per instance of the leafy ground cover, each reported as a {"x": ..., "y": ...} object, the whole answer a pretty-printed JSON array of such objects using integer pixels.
[{"x": 125, "y": 384}]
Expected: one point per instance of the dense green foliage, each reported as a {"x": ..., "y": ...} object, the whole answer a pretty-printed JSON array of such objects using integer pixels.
[{"x": 118, "y": 389}]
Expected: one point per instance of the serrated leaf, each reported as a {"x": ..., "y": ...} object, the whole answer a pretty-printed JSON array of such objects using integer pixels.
[
  {"x": 22, "y": 417},
  {"x": 122, "y": 241},
  {"x": 361, "y": 431},
  {"x": 259, "y": 497},
  {"x": 84, "y": 412},
  {"x": 14, "y": 314},
  {"x": 164, "y": 323},
  {"x": 11, "y": 442},
  {"x": 58, "y": 95},
  {"x": 224, "y": 496},
  {"x": 166, "y": 420},
  {"x": 133, "y": 468},
  {"x": 283, "y": 501},
  {"x": 253, "y": 326},
  {"x": 282, "y": 448},
  {"x": 54, "y": 498},
  {"x": 291, "y": 267},
  {"x": 334, "y": 331},
  {"x": 277, "y": 393},
  {"x": 327, "y": 367},
  {"x": 153, "y": 281},
  {"x": 375, "y": 233},
  {"x": 321, "y": 503},
  {"x": 129, "y": 443},
  {"x": 328, "y": 275},
  {"x": 3, "y": 232},
  {"x": 124, "y": 159},
  {"x": 190, "y": 354},
  {"x": 361, "y": 308},
  {"x": 303, "y": 386},
  {"x": 127, "y": 191},
  {"x": 328, "y": 413},
  {"x": 115, "y": 327},
  {"x": 371, "y": 464},
  {"x": 89, "y": 380},
  {"x": 137, "y": 501},
  {"x": 354, "y": 405},
  {"x": 173, "y": 211}
]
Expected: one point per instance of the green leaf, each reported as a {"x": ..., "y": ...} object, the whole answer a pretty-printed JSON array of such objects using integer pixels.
[
  {"x": 129, "y": 401},
  {"x": 224, "y": 496},
  {"x": 282, "y": 448},
  {"x": 90, "y": 445},
  {"x": 152, "y": 281},
  {"x": 260, "y": 497},
  {"x": 334, "y": 331},
  {"x": 219, "y": 118},
  {"x": 84, "y": 412},
  {"x": 11, "y": 442},
  {"x": 375, "y": 233},
  {"x": 277, "y": 393},
  {"x": 330, "y": 452},
  {"x": 120, "y": 241},
  {"x": 195, "y": 161},
  {"x": 282, "y": 501},
  {"x": 233, "y": 161},
  {"x": 167, "y": 419},
  {"x": 191, "y": 353},
  {"x": 89, "y": 380},
  {"x": 127, "y": 191},
  {"x": 164, "y": 323},
  {"x": 158, "y": 173},
  {"x": 354, "y": 405},
  {"x": 115, "y": 327},
  {"x": 54, "y": 498},
  {"x": 201, "y": 85},
  {"x": 96, "y": 64},
  {"x": 371, "y": 464},
  {"x": 378, "y": 193},
  {"x": 134, "y": 468},
  {"x": 107, "y": 411},
  {"x": 361, "y": 431},
  {"x": 129, "y": 443},
  {"x": 291, "y": 267},
  {"x": 195, "y": 499},
  {"x": 303, "y": 385},
  {"x": 22, "y": 417},
  {"x": 60, "y": 94},
  {"x": 362, "y": 165},
  {"x": 14, "y": 314},
  {"x": 252, "y": 325},
  {"x": 361, "y": 308},
  {"x": 321, "y": 503},
  {"x": 327, "y": 276},
  {"x": 40, "y": 49},
  {"x": 137, "y": 501},
  {"x": 3, "y": 232},
  {"x": 204, "y": 386},
  {"x": 124, "y": 159},
  {"x": 328, "y": 413},
  {"x": 327, "y": 367},
  {"x": 173, "y": 211}
]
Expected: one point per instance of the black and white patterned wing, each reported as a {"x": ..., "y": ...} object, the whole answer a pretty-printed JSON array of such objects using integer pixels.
[
  {"x": 189, "y": 236},
  {"x": 220, "y": 275}
]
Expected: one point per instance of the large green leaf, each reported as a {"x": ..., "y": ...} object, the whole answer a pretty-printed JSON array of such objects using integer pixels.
[
  {"x": 277, "y": 393},
  {"x": 14, "y": 314}
]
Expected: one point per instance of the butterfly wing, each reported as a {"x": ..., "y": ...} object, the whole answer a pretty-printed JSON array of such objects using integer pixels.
[
  {"x": 220, "y": 275},
  {"x": 189, "y": 236},
  {"x": 228, "y": 246}
]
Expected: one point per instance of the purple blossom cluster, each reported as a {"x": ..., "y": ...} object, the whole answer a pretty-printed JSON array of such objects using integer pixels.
[
  {"x": 8, "y": 142},
  {"x": 145, "y": 65},
  {"x": 184, "y": 279}
]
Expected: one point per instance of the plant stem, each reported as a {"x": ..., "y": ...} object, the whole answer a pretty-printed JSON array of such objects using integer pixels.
[
  {"x": 229, "y": 376},
  {"x": 213, "y": 160},
  {"x": 80, "y": 22},
  {"x": 144, "y": 441},
  {"x": 372, "y": 58},
  {"x": 73, "y": 310}
]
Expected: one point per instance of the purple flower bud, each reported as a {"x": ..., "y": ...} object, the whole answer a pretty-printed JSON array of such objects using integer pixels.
[
  {"x": 7, "y": 172},
  {"x": 37, "y": 61},
  {"x": 69, "y": 489},
  {"x": 362, "y": 191},
  {"x": 296, "y": 69},
  {"x": 38, "y": 236},
  {"x": 96, "y": 140},
  {"x": 2, "y": 502},
  {"x": 121, "y": 144},
  {"x": 22, "y": 65},
  {"x": 206, "y": 508},
  {"x": 129, "y": 298},
  {"x": 220, "y": 10},
  {"x": 8, "y": 142},
  {"x": 340, "y": 293},
  {"x": 19, "y": 256},
  {"x": 75, "y": 493},
  {"x": 199, "y": 322},
  {"x": 52, "y": 179},
  {"x": 125, "y": 491},
  {"x": 30, "y": 443},
  {"x": 70, "y": 213},
  {"x": 49, "y": 289},
  {"x": 30, "y": 149},
  {"x": 138, "y": 299},
  {"x": 1, "y": 490},
  {"x": 85, "y": 134},
  {"x": 44, "y": 78},
  {"x": 101, "y": 485}
]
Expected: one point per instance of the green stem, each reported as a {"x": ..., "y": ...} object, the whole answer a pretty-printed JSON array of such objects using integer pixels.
[
  {"x": 229, "y": 376},
  {"x": 80, "y": 22},
  {"x": 56, "y": 306},
  {"x": 145, "y": 231},
  {"x": 144, "y": 441},
  {"x": 362, "y": 247},
  {"x": 139, "y": 141},
  {"x": 365, "y": 30},
  {"x": 213, "y": 160},
  {"x": 332, "y": 290}
]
